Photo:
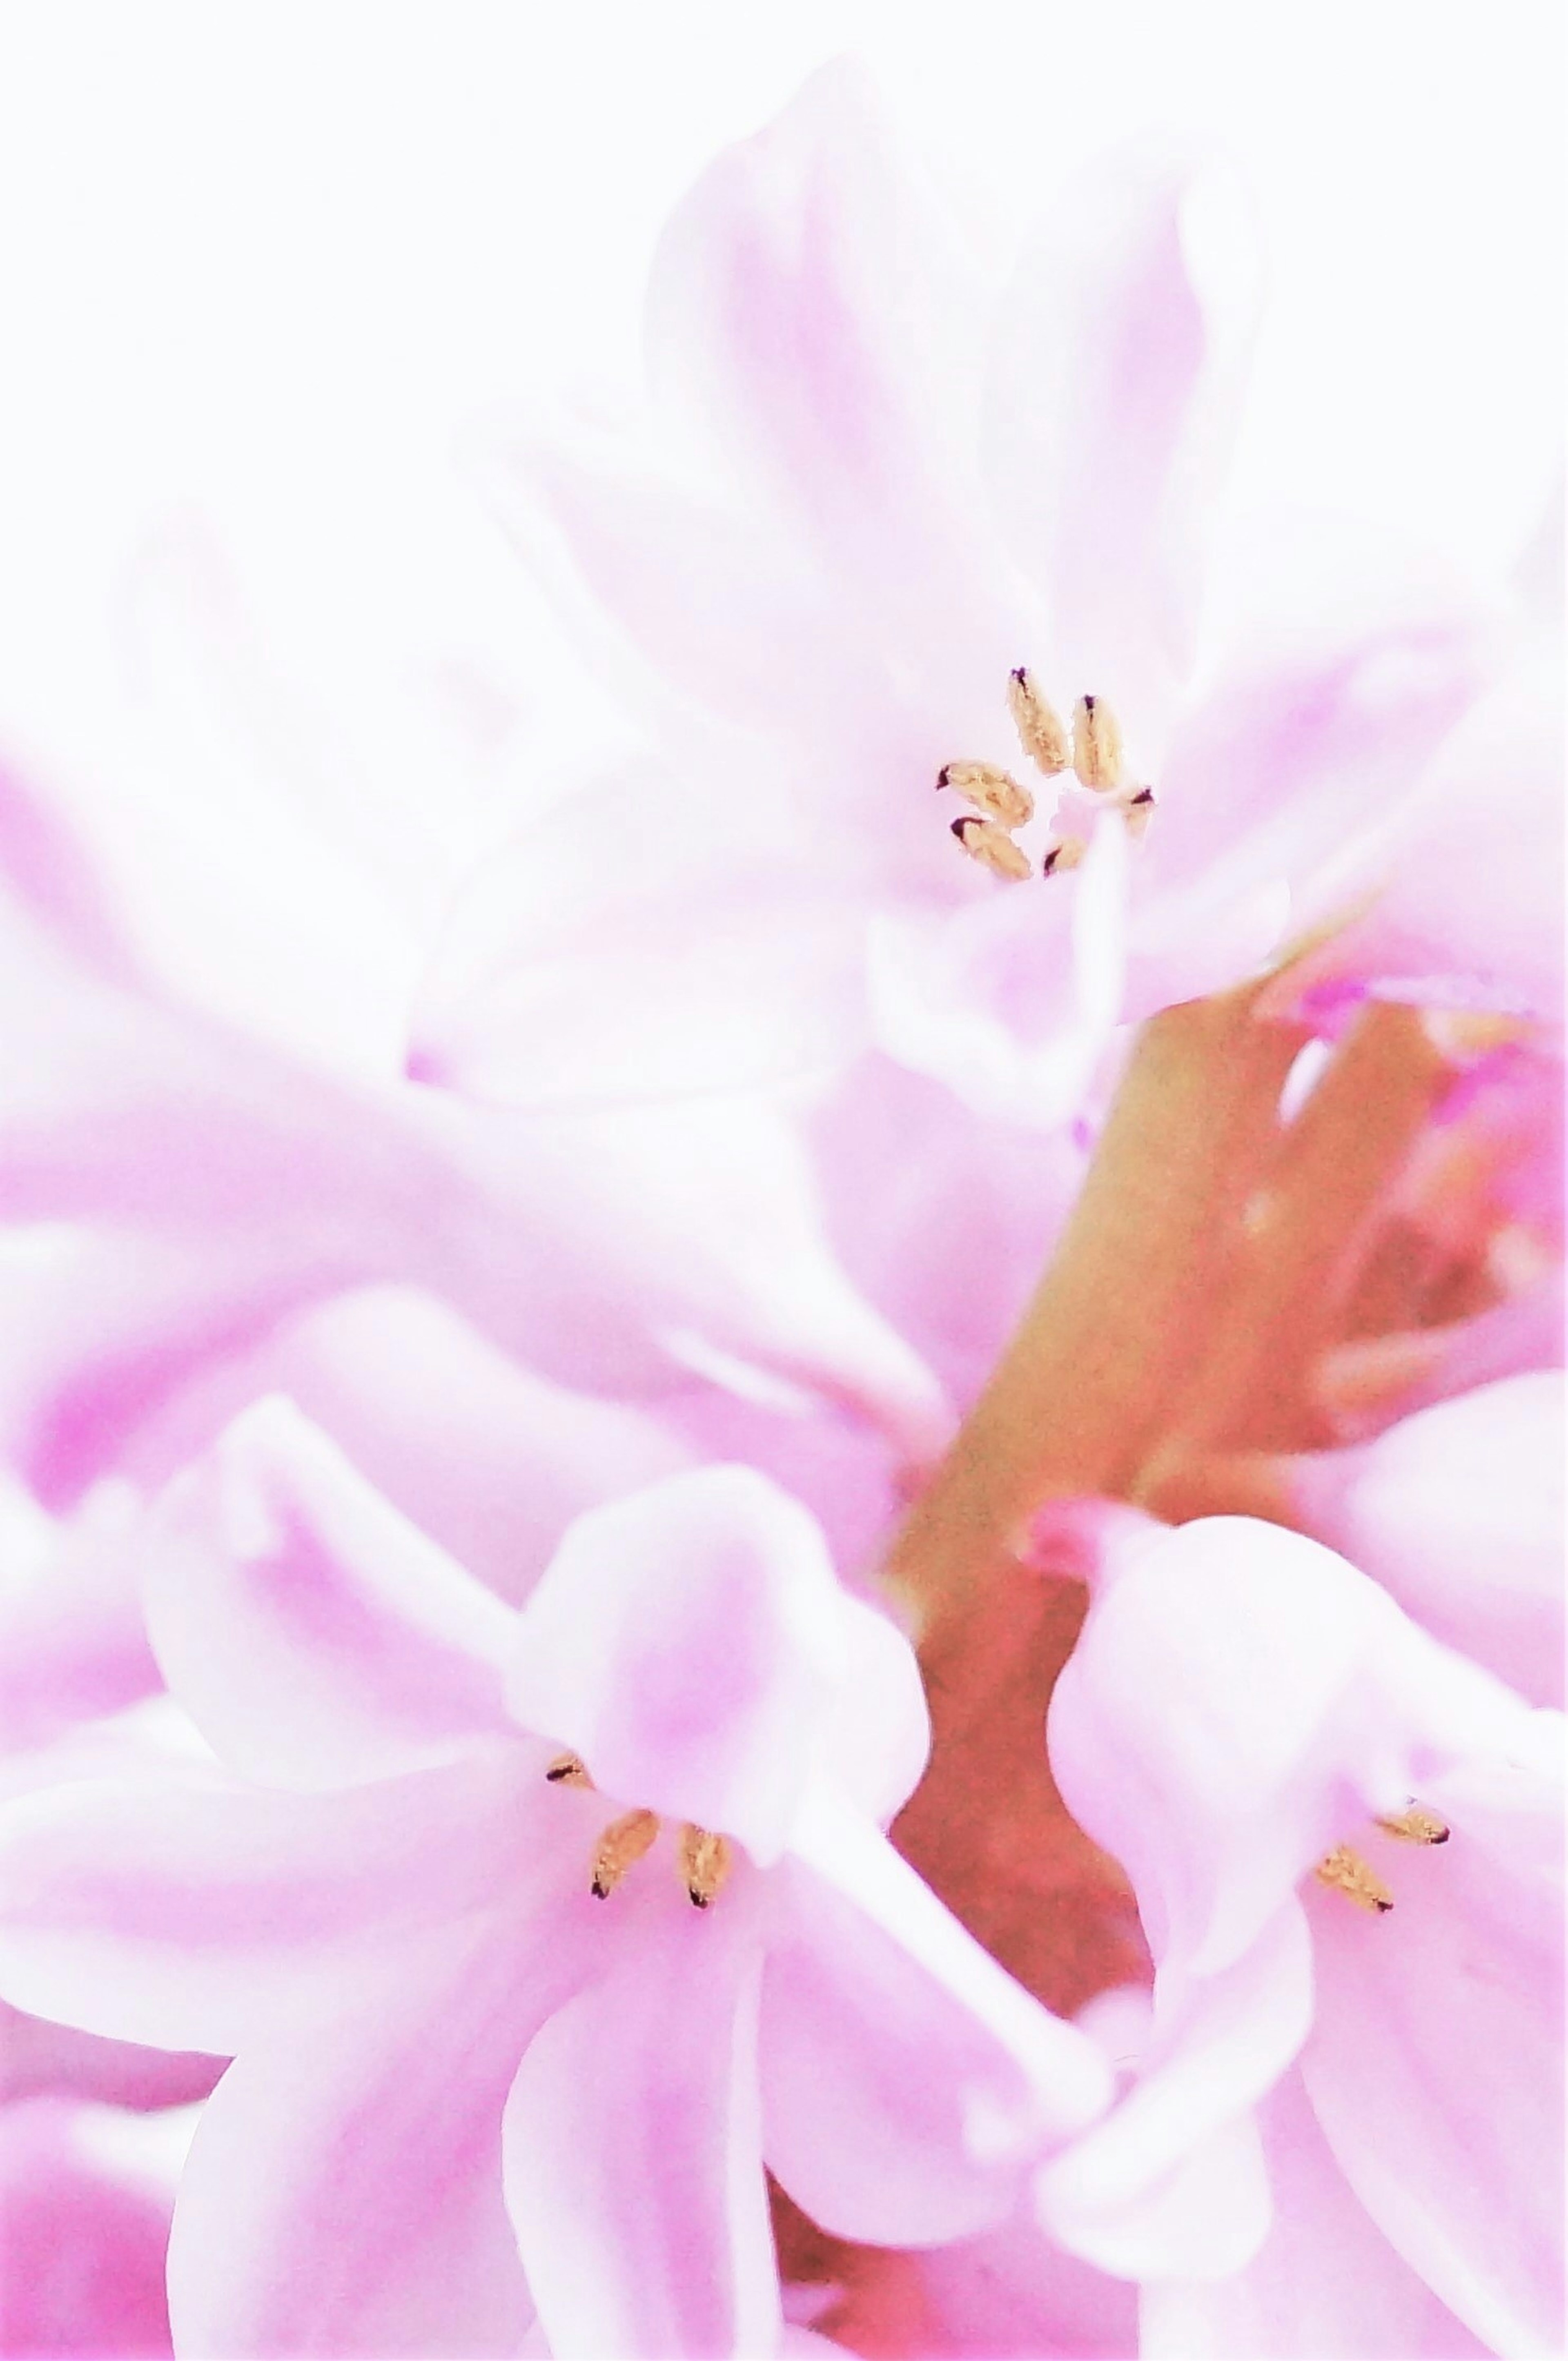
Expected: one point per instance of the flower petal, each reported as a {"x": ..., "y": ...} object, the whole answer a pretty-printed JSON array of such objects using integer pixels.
[
  {"x": 649, "y": 936},
  {"x": 877, "y": 2075},
  {"x": 1458, "y": 1512},
  {"x": 688, "y": 1643},
  {"x": 344, "y": 2191},
  {"x": 633, "y": 2150},
  {"x": 1435, "y": 2063},
  {"x": 1239, "y": 1700},
  {"x": 1324, "y": 2285},
  {"x": 1010, "y": 1001},
  {"x": 185, "y": 1911},
  {"x": 1473, "y": 898},
  {"x": 1130, "y": 2195},
  {"x": 724, "y": 615},
  {"x": 1113, "y": 380},
  {"x": 314, "y": 1636},
  {"x": 812, "y": 314},
  {"x": 1045, "y": 2079},
  {"x": 85, "y": 2195},
  {"x": 1281, "y": 788}
]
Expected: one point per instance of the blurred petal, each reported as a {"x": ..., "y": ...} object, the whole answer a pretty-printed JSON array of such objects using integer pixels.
[
  {"x": 646, "y": 937},
  {"x": 72, "y": 1643},
  {"x": 1279, "y": 788},
  {"x": 1470, "y": 909},
  {"x": 813, "y": 316},
  {"x": 725, "y": 615},
  {"x": 1114, "y": 377},
  {"x": 489, "y": 1458},
  {"x": 1010, "y": 1001},
  {"x": 85, "y": 2197},
  {"x": 39, "y": 2059},
  {"x": 314, "y": 1635}
]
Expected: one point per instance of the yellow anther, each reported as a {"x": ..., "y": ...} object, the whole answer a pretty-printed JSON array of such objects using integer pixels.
[
  {"x": 1418, "y": 1825},
  {"x": 569, "y": 1771},
  {"x": 624, "y": 1842},
  {"x": 991, "y": 790},
  {"x": 1349, "y": 1875},
  {"x": 1040, "y": 733},
  {"x": 1137, "y": 811},
  {"x": 1065, "y": 855},
  {"x": 1096, "y": 744},
  {"x": 984, "y": 841},
  {"x": 705, "y": 1863}
]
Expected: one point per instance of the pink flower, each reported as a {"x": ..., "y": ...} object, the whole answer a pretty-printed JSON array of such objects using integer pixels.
[
  {"x": 1457, "y": 1512},
  {"x": 879, "y": 476},
  {"x": 189, "y": 1187},
  {"x": 450, "y": 2052},
  {"x": 1346, "y": 1847},
  {"x": 85, "y": 2197}
]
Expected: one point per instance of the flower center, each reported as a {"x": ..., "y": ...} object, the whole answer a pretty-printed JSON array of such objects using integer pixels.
[
  {"x": 1351, "y": 1873},
  {"x": 703, "y": 1860},
  {"x": 1003, "y": 805}
]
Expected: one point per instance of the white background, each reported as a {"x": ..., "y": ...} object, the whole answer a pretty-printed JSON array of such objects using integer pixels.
[{"x": 265, "y": 265}]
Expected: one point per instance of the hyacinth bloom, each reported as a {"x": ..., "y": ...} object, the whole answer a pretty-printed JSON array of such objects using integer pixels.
[
  {"x": 541, "y": 1904},
  {"x": 889, "y": 503},
  {"x": 1346, "y": 1845},
  {"x": 1457, "y": 1511},
  {"x": 85, "y": 2197},
  {"x": 182, "y": 1187},
  {"x": 425, "y": 1896}
]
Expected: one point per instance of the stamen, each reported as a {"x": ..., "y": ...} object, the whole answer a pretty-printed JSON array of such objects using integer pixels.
[
  {"x": 1137, "y": 811},
  {"x": 705, "y": 1863},
  {"x": 1065, "y": 855},
  {"x": 1349, "y": 1875},
  {"x": 991, "y": 790},
  {"x": 983, "y": 840},
  {"x": 1096, "y": 744},
  {"x": 1040, "y": 733},
  {"x": 1418, "y": 1825},
  {"x": 623, "y": 1842},
  {"x": 569, "y": 1771}
]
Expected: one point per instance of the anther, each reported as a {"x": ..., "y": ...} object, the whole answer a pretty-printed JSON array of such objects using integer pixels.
[
  {"x": 1065, "y": 855},
  {"x": 1349, "y": 1875},
  {"x": 1040, "y": 733},
  {"x": 569, "y": 1771},
  {"x": 705, "y": 1863},
  {"x": 1137, "y": 811},
  {"x": 1096, "y": 744},
  {"x": 1418, "y": 1825},
  {"x": 623, "y": 1842},
  {"x": 984, "y": 841},
  {"x": 991, "y": 790}
]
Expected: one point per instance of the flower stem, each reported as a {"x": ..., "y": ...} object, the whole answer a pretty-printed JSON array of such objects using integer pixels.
[
  {"x": 1306, "y": 1239},
  {"x": 1073, "y": 1407},
  {"x": 1078, "y": 1396}
]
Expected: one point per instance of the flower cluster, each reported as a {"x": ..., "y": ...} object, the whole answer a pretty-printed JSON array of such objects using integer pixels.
[{"x": 788, "y": 1579}]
